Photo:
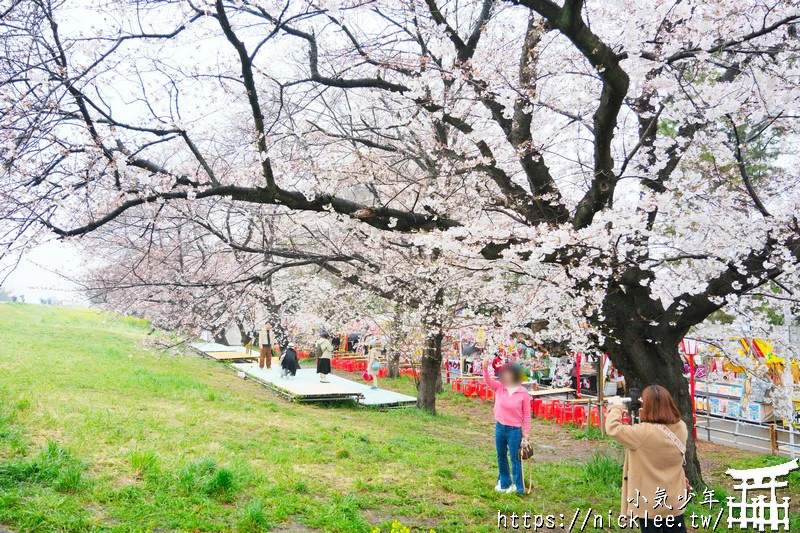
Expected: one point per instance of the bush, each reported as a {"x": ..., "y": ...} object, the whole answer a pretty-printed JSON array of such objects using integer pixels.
[
  {"x": 603, "y": 469},
  {"x": 70, "y": 479},
  {"x": 53, "y": 466},
  {"x": 254, "y": 519},
  {"x": 144, "y": 462},
  {"x": 221, "y": 483}
]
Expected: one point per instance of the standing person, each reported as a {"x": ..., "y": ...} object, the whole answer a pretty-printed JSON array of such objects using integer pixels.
[
  {"x": 289, "y": 364},
  {"x": 373, "y": 365},
  {"x": 512, "y": 413},
  {"x": 323, "y": 350},
  {"x": 654, "y": 460},
  {"x": 267, "y": 341},
  {"x": 497, "y": 363}
]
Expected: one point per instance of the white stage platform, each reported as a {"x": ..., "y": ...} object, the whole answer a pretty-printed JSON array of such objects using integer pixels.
[
  {"x": 221, "y": 352},
  {"x": 305, "y": 387}
]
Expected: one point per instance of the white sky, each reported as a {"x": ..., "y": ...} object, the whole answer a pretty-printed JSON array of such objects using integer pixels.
[{"x": 42, "y": 271}]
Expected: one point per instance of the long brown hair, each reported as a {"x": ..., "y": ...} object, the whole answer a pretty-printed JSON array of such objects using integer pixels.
[{"x": 658, "y": 407}]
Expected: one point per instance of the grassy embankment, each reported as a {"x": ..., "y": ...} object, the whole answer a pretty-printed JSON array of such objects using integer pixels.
[{"x": 100, "y": 434}]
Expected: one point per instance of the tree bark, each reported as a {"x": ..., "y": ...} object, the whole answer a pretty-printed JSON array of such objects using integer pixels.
[
  {"x": 244, "y": 335},
  {"x": 394, "y": 364},
  {"x": 646, "y": 352},
  {"x": 430, "y": 381},
  {"x": 643, "y": 367},
  {"x": 431, "y": 374},
  {"x": 220, "y": 336}
]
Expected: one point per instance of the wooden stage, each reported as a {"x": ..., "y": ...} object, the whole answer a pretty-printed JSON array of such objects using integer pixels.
[
  {"x": 221, "y": 352},
  {"x": 305, "y": 387}
]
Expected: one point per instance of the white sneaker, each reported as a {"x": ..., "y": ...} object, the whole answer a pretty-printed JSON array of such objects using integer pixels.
[{"x": 509, "y": 490}]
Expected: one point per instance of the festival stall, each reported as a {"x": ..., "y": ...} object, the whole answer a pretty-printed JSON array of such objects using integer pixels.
[
  {"x": 567, "y": 389},
  {"x": 726, "y": 389},
  {"x": 745, "y": 394}
]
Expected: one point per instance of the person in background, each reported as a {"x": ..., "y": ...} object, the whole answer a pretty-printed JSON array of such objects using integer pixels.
[
  {"x": 497, "y": 363},
  {"x": 252, "y": 337},
  {"x": 655, "y": 453},
  {"x": 267, "y": 341},
  {"x": 323, "y": 350},
  {"x": 574, "y": 375},
  {"x": 512, "y": 413},
  {"x": 289, "y": 363},
  {"x": 373, "y": 365}
]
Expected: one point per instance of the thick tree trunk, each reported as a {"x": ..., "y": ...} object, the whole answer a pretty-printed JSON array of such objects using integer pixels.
[
  {"x": 220, "y": 336},
  {"x": 431, "y": 373},
  {"x": 646, "y": 352},
  {"x": 644, "y": 366},
  {"x": 430, "y": 381},
  {"x": 394, "y": 364},
  {"x": 244, "y": 335}
]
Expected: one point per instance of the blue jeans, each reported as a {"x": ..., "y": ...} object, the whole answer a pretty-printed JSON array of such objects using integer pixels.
[{"x": 508, "y": 439}]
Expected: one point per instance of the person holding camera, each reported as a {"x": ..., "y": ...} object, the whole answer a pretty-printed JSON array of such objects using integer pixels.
[
  {"x": 512, "y": 413},
  {"x": 654, "y": 486}
]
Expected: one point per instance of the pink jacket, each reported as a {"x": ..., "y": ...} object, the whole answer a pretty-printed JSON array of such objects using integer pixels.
[{"x": 510, "y": 409}]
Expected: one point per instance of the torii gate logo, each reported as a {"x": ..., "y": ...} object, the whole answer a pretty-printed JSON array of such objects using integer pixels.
[{"x": 756, "y": 513}]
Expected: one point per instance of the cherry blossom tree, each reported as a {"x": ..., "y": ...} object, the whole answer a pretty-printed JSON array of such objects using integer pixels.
[
  {"x": 604, "y": 150},
  {"x": 201, "y": 266}
]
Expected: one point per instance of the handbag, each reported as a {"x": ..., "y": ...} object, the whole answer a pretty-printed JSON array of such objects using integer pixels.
[
  {"x": 366, "y": 377},
  {"x": 525, "y": 455},
  {"x": 525, "y": 450}
]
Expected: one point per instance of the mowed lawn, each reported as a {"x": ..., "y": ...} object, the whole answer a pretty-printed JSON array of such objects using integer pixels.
[{"x": 98, "y": 433}]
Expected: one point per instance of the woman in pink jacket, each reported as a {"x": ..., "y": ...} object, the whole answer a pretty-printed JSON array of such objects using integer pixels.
[{"x": 512, "y": 413}]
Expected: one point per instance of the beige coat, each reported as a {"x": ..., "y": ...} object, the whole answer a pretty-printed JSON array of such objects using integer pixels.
[
  {"x": 265, "y": 338},
  {"x": 325, "y": 347},
  {"x": 653, "y": 464}
]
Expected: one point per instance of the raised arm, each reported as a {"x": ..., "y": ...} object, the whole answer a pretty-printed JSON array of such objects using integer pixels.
[
  {"x": 629, "y": 436},
  {"x": 487, "y": 377}
]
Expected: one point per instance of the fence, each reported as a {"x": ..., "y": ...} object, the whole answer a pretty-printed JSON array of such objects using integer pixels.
[{"x": 777, "y": 439}]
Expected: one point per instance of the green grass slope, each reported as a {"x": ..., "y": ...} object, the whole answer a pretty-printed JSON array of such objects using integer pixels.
[{"x": 99, "y": 434}]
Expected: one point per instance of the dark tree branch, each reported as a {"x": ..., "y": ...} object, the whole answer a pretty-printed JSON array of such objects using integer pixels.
[
  {"x": 252, "y": 93},
  {"x": 740, "y": 164},
  {"x": 739, "y": 278},
  {"x": 726, "y": 46},
  {"x": 569, "y": 21}
]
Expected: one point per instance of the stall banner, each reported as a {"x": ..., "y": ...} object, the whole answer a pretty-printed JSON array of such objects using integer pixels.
[
  {"x": 689, "y": 347},
  {"x": 762, "y": 348}
]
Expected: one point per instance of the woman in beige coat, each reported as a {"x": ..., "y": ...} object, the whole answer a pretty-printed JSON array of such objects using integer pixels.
[{"x": 654, "y": 486}]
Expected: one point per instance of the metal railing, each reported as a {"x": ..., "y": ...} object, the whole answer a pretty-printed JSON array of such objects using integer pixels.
[{"x": 765, "y": 438}]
